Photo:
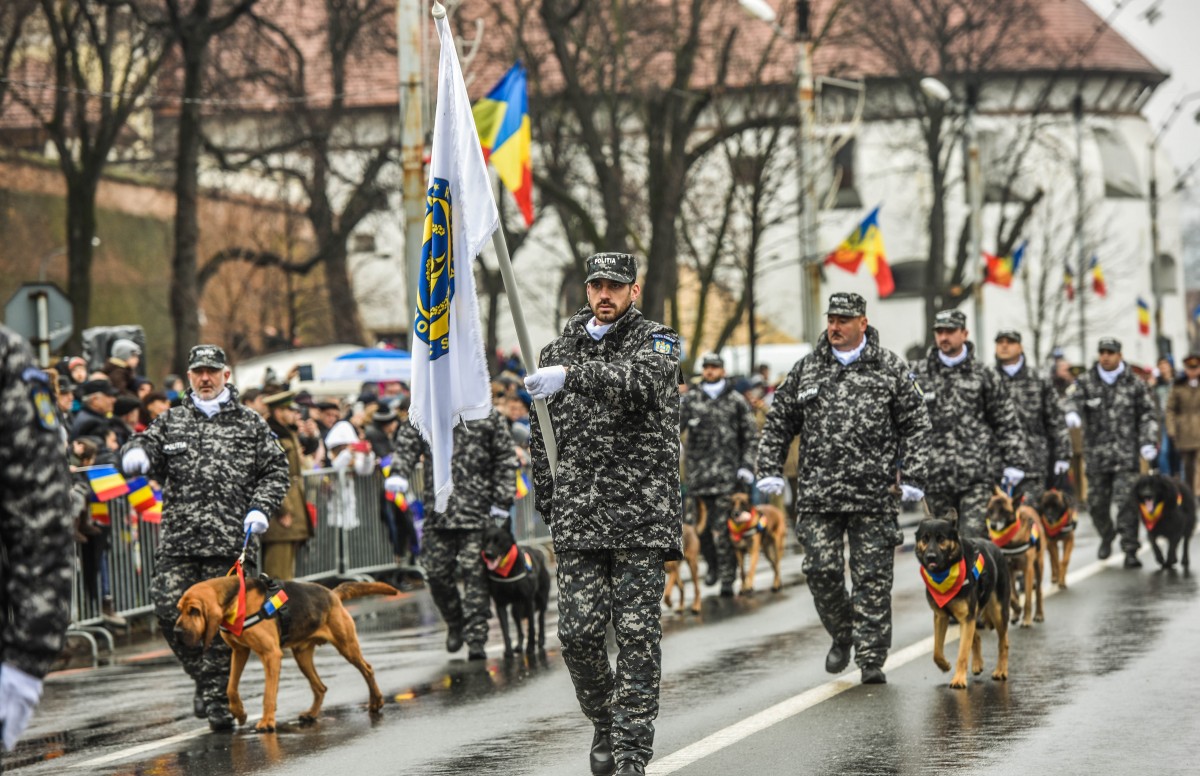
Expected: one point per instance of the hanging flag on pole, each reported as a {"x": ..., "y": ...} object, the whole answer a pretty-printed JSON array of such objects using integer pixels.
[
  {"x": 1098, "y": 284},
  {"x": 450, "y": 381},
  {"x": 1143, "y": 310},
  {"x": 865, "y": 243},
  {"x": 502, "y": 118},
  {"x": 1001, "y": 270},
  {"x": 1069, "y": 283}
]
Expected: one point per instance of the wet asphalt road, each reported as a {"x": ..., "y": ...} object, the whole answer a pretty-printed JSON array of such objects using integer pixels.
[{"x": 1103, "y": 686}]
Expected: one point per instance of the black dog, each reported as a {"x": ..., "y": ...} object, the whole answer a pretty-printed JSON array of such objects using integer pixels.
[
  {"x": 972, "y": 591},
  {"x": 517, "y": 577},
  {"x": 1167, "y": 508}
]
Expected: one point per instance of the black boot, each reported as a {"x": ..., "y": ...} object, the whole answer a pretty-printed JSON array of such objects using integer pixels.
[
  {"x": 872, "y": 674},
  {"x": 727, "y": 590},
  {"x": 1131, "y": 561},
  {"x": 454, "y": 640},
  {"x": 1105, "y": 548},
  {"x": 838, "y": 658},
  {"x": 600, "y": 757},
  {"x": 476, "y": 652},
  {"x": 631, "y": 768},
  {"x": 219, "y": 717},
  {"x": 198, "y": 708}
]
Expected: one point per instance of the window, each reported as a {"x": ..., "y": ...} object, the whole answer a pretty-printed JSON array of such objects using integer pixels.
[
  {"x": 909, "y": 277},
  {"x": 1164, "y": 274},
  {"x": 1121, "y": 179},
  {"x": 842, "y": 172}
]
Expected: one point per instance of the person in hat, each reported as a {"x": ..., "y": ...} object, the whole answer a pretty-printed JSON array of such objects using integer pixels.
[
  {"x": 719, "y": 442},
  {"x": 613, "y": 506},
  {"x": 975, "y": 427},
  {"x": 99, "y": 397},
  {"x": 1047, "y": 445},
  {"x": 1183, "y": 417},
  {"x": 381, "y": 432},
  {"x": 1120, "y": 429},
  {"x": 121, "y": 367},
  {"x": 857, "y": 410},
  {"x": 288, "y": 527},
  {"x": 222, "y": 473},
  {"x": 124, "y": 417}
]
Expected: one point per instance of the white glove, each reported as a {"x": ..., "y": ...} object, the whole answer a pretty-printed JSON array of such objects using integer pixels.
[
  {"x": 255, "y": 522},
  {"x": 1061, "y": 466},
  {"x": 1149, "y": 452},
  {"x": 499, "y": 514},
  {"x": 1073, "y": 420},
  {"x": 135, "y": 461},
  {"x": 343, "y": 460},
  {"x": 911, "y": 493},
  {"x": 19, "y": 696},
  {"x": 745, "y": 475},
  {"x": 546, "y": 381},
  {"x": 1013, "y": 475},
  {"x": 395, "y": 484},
  {"x": 772, "y": 486}
]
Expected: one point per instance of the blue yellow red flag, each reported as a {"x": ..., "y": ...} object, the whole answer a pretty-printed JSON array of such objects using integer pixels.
[
  {"x": 1069, "y": 283},
  {"x": 141, "y": 494},
  {"x": 502, "y": 120},
  {"x": 1143, "y": 310},
  {"x": 1098, "y": 284},
  {"x": 522, "y": 484},
  {"x": 1002, "y": 269},
  {"x": 107, "y": 483},
  {"x": 865, "y": 243}
]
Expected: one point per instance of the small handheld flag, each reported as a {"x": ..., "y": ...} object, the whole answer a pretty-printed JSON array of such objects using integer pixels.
[
  {"x": 1143, "y": 312},
  {"x": 865, "y": 243},
  {"x": 141, "y": 495},
  {"x": 107, "y": 483},
  {"x": 522, "y": 485}
]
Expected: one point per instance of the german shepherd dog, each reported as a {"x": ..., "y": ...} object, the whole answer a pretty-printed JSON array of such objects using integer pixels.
[
  {"x": 517, "y": 577},
  {"x": 691, "y": 556},
  {"x": 1017, "y": 532},
  {"x": 966, "y": 579},
  {"x": 1059, "y": 519},
  {"x": 1168, "y": 510},
  {"x": 756, "y": 530}
]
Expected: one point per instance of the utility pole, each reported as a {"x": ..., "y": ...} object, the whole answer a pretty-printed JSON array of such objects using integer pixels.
[
  {"x": 409, "y": 25},
  {"x": 810, "y": 267},
  {"x": 975, "y": 205},
  {"x": 1077, "y": 111}
]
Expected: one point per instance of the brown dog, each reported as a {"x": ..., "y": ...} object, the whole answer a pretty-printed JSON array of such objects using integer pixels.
[
  {"x": 1017, "y": 532},
  {"x": 1058, "y": 517},
  {"x": 752, "y": 531},
  {"x": 691, "y": 556},
  {"x": 314, "y": 616}
]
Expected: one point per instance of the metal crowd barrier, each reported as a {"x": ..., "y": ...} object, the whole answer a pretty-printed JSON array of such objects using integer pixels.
[{"x": 347, "y": 544}]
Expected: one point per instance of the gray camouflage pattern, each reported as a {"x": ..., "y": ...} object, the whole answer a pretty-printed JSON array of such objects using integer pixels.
[
  {"x": 36, "y": 536},
  {"x": 1118, "y": 420},
  {"x": 483, "y": 469},
  {"x": 617, "y": 425},
  {"x": 1043, "y": 431},
  {"x": 719, "y": 438},
  {"x": 717, "y": 510},
  {"x": 862, "y": 617},
  {"x": 212, "y": 471},
  {"x": 855, "y": 424},
  {"x": 445, "y": 553},
  {"x": 970, "y": 502},
  {"x": 624, "y": 586},
  {"x": 1105, "y": 489}
]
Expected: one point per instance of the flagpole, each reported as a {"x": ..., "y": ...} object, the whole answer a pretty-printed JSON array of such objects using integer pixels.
[{"x": 527, "y": 351}]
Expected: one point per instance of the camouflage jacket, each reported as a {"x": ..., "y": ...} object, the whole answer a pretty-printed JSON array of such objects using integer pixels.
[
  {"x": 855, "y": 423},
  {"x": 1118, "y": 420},
  {"x": 212, "y": 471},
  {"x": 720, "y": 439},
  {"x": 976, "y": 432},
  {"x": 616, "y": 421},
  {"x": 1041, "y": 418},
  {"x": 483, "y": 469},
  {"x": 37, "y": 551}
]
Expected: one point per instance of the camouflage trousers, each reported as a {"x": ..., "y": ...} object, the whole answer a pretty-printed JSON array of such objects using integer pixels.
[
  {"x": 717, "y": 509},
  {"x": 209, "y": 668},
  {"x": 1104, "y": 488},
  {"x": 862, "y": 616},
  {"x": 449, "y": 553},
  {"x": 971, "y": 504},
  {"x": 624, "y": 586}
]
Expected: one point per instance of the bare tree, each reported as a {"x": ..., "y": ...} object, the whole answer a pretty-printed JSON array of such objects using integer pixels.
[{"x": 13, "y": 15}]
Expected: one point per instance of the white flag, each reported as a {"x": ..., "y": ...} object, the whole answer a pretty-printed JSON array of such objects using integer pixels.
[{"x": 450, "y": 378}]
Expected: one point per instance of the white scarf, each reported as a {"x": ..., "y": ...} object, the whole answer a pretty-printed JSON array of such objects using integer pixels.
[
  {"x": 597, "y": 329},
  {"x": 713, "y": 389},
  {"x": 1012, "y": 369},
  {"x": 954, "y": 360},
  {"x": 212, "y": 406},
  {"x": 848, "y": 357},
  {"x": 1110, "y": 377}
]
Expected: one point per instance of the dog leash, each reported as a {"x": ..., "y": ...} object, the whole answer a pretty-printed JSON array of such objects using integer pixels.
[{"x": 237, "y": 624}]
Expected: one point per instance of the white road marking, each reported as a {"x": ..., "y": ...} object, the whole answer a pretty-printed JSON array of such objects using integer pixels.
[
  {"x": 726, "y": 737},
  {"x": 140, "y": 749}
]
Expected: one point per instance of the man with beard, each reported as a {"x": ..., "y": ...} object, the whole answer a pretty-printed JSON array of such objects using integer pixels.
[{"x": 613, "y": 504}]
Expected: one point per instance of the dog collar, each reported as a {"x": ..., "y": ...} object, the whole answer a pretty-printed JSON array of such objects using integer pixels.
[
  {"x": 237, "y": 619},
  {"x": 745, "y": 523},
  {"x": 502, "y": 567},
  {"x": 1064, "y": 524},
  {"x": 1151, "y": 518},
  {"x": 944, "y": 585},
  {"x": 1004, "y": 537}
]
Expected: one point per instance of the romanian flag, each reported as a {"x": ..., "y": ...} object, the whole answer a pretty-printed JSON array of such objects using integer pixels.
[
  {"x": 502, "y": 120},
  {"x": 1143, "y": 316},
  {"x": 865, "y": 242},
  {"x": 522, "y": 485},
  {"x": 1098, "y": 284},
  {"x": 1069, "y": 284},
  {"x": 1002, "y": 269},
  {"x": 141, "y": 495},
  {"x": 153, "y": 513},
  {"x": 99, "y": 513},
  {"x": 107, "y": 483}
]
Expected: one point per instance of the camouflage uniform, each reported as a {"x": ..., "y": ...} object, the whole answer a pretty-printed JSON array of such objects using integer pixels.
[
  {"x": 1042, "y": 428},
  {"x": 720, "y": 440},
  {"x": 613, "y": 508},
  {"x": 484, "y": 472},
  {"x": 976, "y": 434},
  {"x": 855, "y": 423},
  {"x": 1118, "y": 420},
  {"x": 213, "y": 471},
  {"x": 36, "y": 542}
]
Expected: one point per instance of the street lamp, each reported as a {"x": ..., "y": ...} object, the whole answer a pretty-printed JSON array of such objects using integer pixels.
[
  {"x": 938, "y": 92},
  {"x": 1155, "y": 285},
  {"x": 810, "y": 267}
]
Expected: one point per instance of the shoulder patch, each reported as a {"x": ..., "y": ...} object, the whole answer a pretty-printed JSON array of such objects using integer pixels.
[
  {"x": 43, "y": 406},
  {"x": 663, "y": 343},
  {"x": 916, "y": 384}
]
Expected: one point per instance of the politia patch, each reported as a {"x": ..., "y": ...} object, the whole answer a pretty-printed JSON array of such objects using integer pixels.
[{"x": 662, "y": 344}]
